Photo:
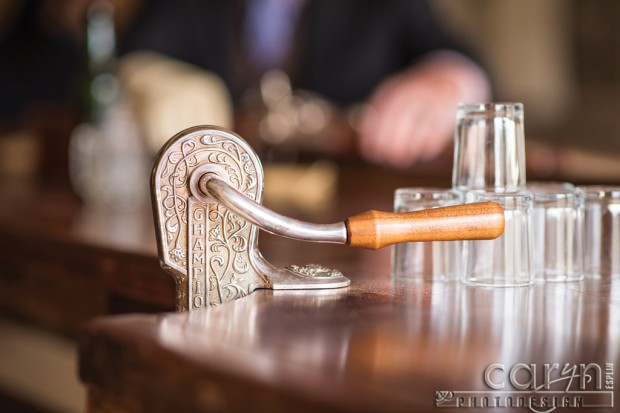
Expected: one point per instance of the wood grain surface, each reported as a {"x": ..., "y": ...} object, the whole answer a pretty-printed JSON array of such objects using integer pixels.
[
  {"x": 377, "y": 229},
  {"x": 381, "y": 345}
]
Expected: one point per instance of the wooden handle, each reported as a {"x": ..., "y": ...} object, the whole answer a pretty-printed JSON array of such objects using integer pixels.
[{"x": 376, "y": 229}]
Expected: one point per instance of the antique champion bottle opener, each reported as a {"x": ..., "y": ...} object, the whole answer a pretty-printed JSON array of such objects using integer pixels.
[{"x": 207, "y": 185}]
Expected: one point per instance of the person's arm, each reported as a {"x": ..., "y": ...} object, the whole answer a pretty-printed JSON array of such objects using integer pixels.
[
  {"x": 411, "y": 115},
  {"x": 412, "y": 112}
]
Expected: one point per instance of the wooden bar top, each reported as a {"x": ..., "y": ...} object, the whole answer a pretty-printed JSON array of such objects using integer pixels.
[{"x": 380, "y": 345}]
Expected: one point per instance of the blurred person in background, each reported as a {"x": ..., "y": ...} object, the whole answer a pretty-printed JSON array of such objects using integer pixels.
[{"x": 391, "y": 55}]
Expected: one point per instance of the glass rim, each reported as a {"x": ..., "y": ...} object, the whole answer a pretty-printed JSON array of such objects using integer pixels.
[
  {"x": 487, "y": 108},
  {"x": 600, "y": 192},
  {"x": 559, "y": 191},
  {"x": 510, "y": 198},
  {"x": 551, "y": 184},
  {"x": 426, "y": 194},
  {"x": 554, "y": 196}
]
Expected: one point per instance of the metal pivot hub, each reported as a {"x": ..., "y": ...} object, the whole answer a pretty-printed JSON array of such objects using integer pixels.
[{"x": 207, "y": 186}]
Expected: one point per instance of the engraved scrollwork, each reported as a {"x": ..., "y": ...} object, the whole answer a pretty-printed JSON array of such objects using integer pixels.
[
  {"x": 240, "y": 265},
  {"x": 177, "y": 254},
  {"x": 232, "y": 292},
  {"x": 314, "y": 271},
  {"x": 177, "y": 165},
  {"x": 228, "y": 238},
  {"x": 230, "y": 272}
]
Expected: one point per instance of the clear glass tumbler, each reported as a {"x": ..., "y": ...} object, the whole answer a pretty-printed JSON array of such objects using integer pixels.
[
  {"x": 489, "y": 151},
  {"x": 505, "y": 261},
  {"x": 425, "y": 261},
  {"x": 601, "y": 231},
  {"x": 557, "y": 217}
]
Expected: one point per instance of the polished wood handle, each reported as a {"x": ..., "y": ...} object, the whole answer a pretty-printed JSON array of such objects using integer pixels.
[{"x": 377, "y": 229}]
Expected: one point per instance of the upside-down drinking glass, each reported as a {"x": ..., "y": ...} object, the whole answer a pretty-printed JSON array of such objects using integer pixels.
[
  {"x": 425, "y": 261},
  {"x": 489, "y": 153}
]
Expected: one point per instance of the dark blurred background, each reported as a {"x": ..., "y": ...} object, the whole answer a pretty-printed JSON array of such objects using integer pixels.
[{"x": 559, "y": 57}]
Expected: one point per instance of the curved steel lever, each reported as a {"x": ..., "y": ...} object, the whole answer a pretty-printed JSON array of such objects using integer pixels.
[
  {"x": 371, "y": 229},
  {"x": 267, "y": 219}
]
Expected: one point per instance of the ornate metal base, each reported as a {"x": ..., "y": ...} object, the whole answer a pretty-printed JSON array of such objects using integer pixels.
[{"x": 209, "y": 249}]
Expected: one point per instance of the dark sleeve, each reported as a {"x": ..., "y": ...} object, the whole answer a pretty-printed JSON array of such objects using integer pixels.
[
  {"x": 350, "y": 46},
  {"x": 423, "y": 32},
  {"x": 193, "y": 31},
  {"x": 161, "y": 26}
]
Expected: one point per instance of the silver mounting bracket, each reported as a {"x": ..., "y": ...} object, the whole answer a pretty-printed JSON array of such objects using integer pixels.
[{"x": 210, "y": 249}]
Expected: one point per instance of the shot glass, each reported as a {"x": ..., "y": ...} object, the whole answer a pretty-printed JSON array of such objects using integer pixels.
[
  {"x": 601, "y": 231},
  {"x": 550, "y": 185},
  {"x": 425, "y": 261},
  {"x": 557, "y": 224},
  {"x": 489, "y": 150},
  {"x": 505, "y": 261}
]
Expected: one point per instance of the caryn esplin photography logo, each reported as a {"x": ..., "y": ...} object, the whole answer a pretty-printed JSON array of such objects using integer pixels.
[{"x": 540, "y": 388}]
